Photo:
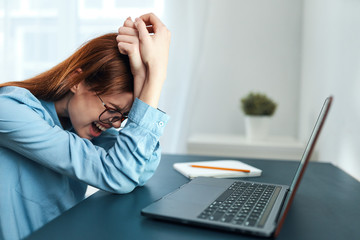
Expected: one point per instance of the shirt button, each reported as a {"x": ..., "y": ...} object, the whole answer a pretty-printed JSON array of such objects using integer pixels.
[{"x": 160, "y": 124}]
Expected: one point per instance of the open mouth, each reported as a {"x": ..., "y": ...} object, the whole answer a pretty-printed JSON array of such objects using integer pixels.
[{"x": 97, "y": 129}]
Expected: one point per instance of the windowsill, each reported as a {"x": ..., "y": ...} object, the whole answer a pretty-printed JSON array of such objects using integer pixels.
[{"x": 226, "y": 145}]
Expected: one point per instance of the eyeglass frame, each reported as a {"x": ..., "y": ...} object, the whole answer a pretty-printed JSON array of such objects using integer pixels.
[{"x": 107, "y": 108}]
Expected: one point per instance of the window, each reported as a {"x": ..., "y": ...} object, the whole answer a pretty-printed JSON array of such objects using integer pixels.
[{"x": 37, "y": 34}]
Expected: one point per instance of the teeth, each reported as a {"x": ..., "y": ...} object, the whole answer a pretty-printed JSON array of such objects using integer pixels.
[{"x": 100, "y": 127}]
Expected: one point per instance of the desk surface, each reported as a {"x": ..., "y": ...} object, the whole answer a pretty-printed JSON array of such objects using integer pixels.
[{"x": 326, "y": 207}]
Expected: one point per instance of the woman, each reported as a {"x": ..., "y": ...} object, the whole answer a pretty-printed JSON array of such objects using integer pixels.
[{"x": 57, "y": 129}]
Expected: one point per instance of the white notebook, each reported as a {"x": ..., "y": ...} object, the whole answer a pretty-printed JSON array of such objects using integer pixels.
[{"x": 192, "y": 172}]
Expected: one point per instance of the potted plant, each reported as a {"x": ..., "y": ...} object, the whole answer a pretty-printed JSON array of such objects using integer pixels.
[{"x": 258, "y": 109}]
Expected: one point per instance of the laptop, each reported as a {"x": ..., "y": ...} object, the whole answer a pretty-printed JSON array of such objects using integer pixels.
[{"x": 235, "y": 205}]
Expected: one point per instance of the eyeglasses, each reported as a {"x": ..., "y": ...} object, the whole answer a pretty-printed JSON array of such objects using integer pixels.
[{"x": 111, "y": 115}]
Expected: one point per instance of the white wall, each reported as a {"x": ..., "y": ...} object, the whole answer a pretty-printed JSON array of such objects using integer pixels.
[
  {"x": 298, "y": 52},
  {"x": 331, "y": 65},
  {"x": 247, "y": 45}
]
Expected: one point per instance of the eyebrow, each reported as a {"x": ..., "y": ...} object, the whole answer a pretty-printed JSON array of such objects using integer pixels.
[{"x": 118, "y": 108}]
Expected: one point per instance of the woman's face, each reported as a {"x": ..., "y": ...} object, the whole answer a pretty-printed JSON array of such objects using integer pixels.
[{"x": 84, "y": 108}]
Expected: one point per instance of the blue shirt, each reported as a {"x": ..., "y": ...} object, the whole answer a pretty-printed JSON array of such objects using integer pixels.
[{"x": 45, "y": 170}]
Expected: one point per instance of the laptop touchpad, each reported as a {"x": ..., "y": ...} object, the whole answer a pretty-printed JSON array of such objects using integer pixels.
[{"x": 195, "y": 193}]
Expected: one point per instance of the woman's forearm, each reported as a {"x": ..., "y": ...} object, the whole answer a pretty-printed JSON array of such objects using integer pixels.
[{"x": 151, "y": 91}]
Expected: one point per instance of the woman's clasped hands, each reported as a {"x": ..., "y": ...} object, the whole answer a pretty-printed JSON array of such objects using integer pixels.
[{"x": 146, "y": 41}]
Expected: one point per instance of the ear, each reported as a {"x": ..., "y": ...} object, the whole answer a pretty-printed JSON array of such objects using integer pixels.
[
  {"x": 78, "y": 86},
  {"x": 78, "y": 71}
]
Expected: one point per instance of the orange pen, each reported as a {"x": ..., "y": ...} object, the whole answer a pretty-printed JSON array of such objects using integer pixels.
[{"x": 220, "y": 168}]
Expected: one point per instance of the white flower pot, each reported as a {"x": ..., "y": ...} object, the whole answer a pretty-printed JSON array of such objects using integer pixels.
[{"x": 257, "y": 127}]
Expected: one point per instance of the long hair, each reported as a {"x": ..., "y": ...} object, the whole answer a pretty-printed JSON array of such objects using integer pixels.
[{"x": 104, "y": 69}]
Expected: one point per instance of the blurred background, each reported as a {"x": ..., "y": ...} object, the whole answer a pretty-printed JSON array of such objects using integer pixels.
[{"x": 298, "y": 52}]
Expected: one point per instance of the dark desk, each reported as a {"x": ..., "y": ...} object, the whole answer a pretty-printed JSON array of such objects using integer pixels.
[{"x": 327, "y": 206}]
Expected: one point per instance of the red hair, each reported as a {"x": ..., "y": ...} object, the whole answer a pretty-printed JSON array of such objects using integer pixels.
[{"x": 104, "y": 69}]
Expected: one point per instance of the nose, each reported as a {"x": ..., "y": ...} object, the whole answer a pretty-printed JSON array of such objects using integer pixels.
[{"x": 116, "y": 124}]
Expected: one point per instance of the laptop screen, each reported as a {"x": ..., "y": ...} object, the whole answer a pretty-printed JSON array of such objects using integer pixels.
[
  {"x": 304, "y": 160},
  {"x": 311, "y": 143}
]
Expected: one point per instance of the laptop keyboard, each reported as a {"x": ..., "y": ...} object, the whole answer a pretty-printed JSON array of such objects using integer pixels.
[{"x": 243, "y": 203}]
